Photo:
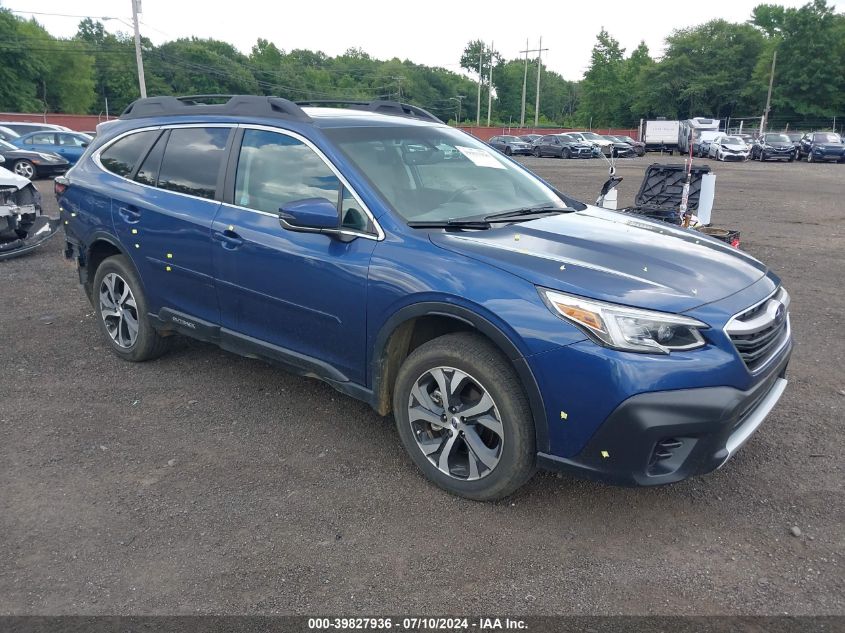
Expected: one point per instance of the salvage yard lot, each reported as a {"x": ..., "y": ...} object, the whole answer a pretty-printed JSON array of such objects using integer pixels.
[{"x": 206, "y": 482}]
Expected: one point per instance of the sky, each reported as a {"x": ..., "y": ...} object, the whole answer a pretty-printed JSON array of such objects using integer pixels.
[{"x": 433, "y": 33}]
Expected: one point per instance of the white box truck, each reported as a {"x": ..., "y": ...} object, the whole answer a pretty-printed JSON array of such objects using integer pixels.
[{"x": 660, "y": 136}]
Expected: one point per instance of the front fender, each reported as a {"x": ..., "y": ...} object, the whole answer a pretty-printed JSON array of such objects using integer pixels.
[{"x": 506, "y": 342}]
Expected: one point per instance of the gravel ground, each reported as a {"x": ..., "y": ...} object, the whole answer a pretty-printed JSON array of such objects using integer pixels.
[{"x": 206, "y": 482}]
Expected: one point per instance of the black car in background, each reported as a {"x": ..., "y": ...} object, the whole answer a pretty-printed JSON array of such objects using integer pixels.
[
  {"x": 620, "y": 148},
  {"x": 510, "y": 145},
  {"x": 822, "y": 146},
  {"x": 639, "y": 146},
  {"x": 562, "y": 146},
  {"x": 31, "y": 164},
  {"x": 795, "y": 139},
  {"x": 773, "y": 146}
]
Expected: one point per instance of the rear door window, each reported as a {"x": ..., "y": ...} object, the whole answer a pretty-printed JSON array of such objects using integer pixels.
[
  {"x": 192, "y": 160},
  {"x": 42, "y": 138},
  {"x": 122, "y": 156},
  {"x": 148, "y": 173}
]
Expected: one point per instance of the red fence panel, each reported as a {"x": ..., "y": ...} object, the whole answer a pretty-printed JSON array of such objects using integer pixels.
[{"x": 77, "y": 122}]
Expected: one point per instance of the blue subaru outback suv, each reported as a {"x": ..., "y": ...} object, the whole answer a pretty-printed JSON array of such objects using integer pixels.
[{"x": 505, "y": 325}]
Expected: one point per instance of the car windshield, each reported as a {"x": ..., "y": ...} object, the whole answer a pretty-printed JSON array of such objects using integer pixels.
[
  {"x": 732, "y": 140},
  {"x": 777, "y": 138},
  {"x": 430, "y": 174},
  {"x": 829, "y": 137},
  {"x": 794, "y": 137},
  {"x": 509, "y": 139},
  {"x": 592, "y": 136},
  {"x": 6, "y": 145},
  {"x": 626, "y": 139}
]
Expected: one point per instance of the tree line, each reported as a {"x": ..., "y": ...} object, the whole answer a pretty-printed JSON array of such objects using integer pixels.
[{"x": 719, "y": 69}]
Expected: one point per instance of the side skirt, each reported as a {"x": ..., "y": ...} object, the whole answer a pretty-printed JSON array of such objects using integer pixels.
[{"x": 169, "y": 321}]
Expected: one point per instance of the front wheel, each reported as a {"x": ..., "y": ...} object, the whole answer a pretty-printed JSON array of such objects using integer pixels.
[
  {"x": 508, "y": 151},
  {"x": 463, "y": 417},
  {"x": 121, "y": 306},
  {"x": 810, "y": 158},
  {"x": 25, "y": 168},
  {"x": 566, "y": 153},
  {"x": 537, "y": 152}
]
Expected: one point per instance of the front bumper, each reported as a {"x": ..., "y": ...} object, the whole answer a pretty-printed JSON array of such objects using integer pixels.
[
  {"x": 783, "y": 154},
  {"x": 42, "y": 230},
  {"x": 522, "y": 151},
  {"x": 665, "y": 436},
  {"x": 730, "y": 156},
  {"x": 46, "y": 169},
  {"x": 820, "y": 153}
]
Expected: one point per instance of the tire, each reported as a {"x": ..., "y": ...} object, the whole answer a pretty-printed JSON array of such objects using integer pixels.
[
  {"x": 117, "y": 274},
  {"x": 537, "y": 152},
  {"x": 26, "y": 169},
  {"x": 566, "y": 153},
  {"x": 810, "y": 158},
  {"x": 506, "y": 459},
  {"x": 508, "y": 151}
]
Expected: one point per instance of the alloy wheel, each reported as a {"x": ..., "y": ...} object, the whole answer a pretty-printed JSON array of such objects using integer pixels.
[
  {"x": 25, "y": 168},
  {"x": 119, "y": 310},
  {"x": 455, "y": 423}
]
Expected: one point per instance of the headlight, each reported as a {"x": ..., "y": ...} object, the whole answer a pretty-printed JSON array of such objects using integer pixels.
[
  {"x": 624, "y": 328},
  {"x": 47, "y": 157}
]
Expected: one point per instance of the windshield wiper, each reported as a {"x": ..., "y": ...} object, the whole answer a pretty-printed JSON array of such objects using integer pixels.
[
  {"x": 450, "y": 224},
  {"x": 516, "y": 213}
]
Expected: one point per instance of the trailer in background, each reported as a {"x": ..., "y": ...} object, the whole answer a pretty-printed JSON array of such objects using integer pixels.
[
  {"x": 690, "y": 131},
  {"x": 660, "y": 135}
]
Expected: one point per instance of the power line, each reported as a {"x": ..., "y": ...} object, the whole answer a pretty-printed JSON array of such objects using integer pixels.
[{"x": 63, "y": 15}]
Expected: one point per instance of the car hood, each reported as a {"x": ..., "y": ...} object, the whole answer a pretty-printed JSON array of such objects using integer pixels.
[
  {"x": 613, "y": 257},
  {"x": 780, "y": 145},
  {"x": 827, "y": 146}
]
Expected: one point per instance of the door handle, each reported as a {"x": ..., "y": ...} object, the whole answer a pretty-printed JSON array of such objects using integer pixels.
[
  {"x": 129, "y": 214},
  {"x": 228, "y": 239}
]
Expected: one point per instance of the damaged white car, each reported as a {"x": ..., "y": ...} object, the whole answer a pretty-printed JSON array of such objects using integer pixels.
[{"x": 23, "y": 227}]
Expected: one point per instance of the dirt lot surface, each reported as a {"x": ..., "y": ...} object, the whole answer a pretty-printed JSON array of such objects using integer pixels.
[{"x": 205, "y": 482}]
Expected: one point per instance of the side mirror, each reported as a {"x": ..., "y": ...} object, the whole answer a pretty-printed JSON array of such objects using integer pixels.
[{"x": 312, "y": 215}]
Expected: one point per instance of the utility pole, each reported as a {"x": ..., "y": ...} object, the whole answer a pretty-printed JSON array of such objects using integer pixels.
[
  {"x": 490, "y": 86},
  {"x": 524, "y": 84},
  {"x": 478, "y": 101},
  {"x": 459, "y": 98},
  {"x": 769, "y": 96},
  {"x": 136, "y": 9},
  {"x": 540, "y": 50}
]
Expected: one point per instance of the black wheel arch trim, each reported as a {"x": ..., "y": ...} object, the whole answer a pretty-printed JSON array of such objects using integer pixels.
[
  {"x": 377, "y": 364},
  {"x": 103, "y": 236}
]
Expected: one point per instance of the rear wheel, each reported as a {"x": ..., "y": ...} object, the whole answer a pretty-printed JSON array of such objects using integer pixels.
[
  {"x": 121, "y": 306},
  {"x": 25, "y": 168},
  {"x": 463, "y": 417}
]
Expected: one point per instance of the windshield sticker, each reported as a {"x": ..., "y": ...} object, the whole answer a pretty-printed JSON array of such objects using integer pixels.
[{"x": 480, "y": 157}]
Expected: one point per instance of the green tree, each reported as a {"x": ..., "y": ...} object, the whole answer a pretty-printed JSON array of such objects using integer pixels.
[
  {"x": 603, "y": 88},
  {"x": 810, "y": 44}
]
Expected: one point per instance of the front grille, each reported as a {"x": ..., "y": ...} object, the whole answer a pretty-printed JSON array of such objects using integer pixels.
[{"x": 759, "y": 332}]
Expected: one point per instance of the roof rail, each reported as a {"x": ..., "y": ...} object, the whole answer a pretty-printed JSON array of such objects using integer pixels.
[
  {"x": 239, "y": 105},
  {"x": 381, "y": 106}
]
